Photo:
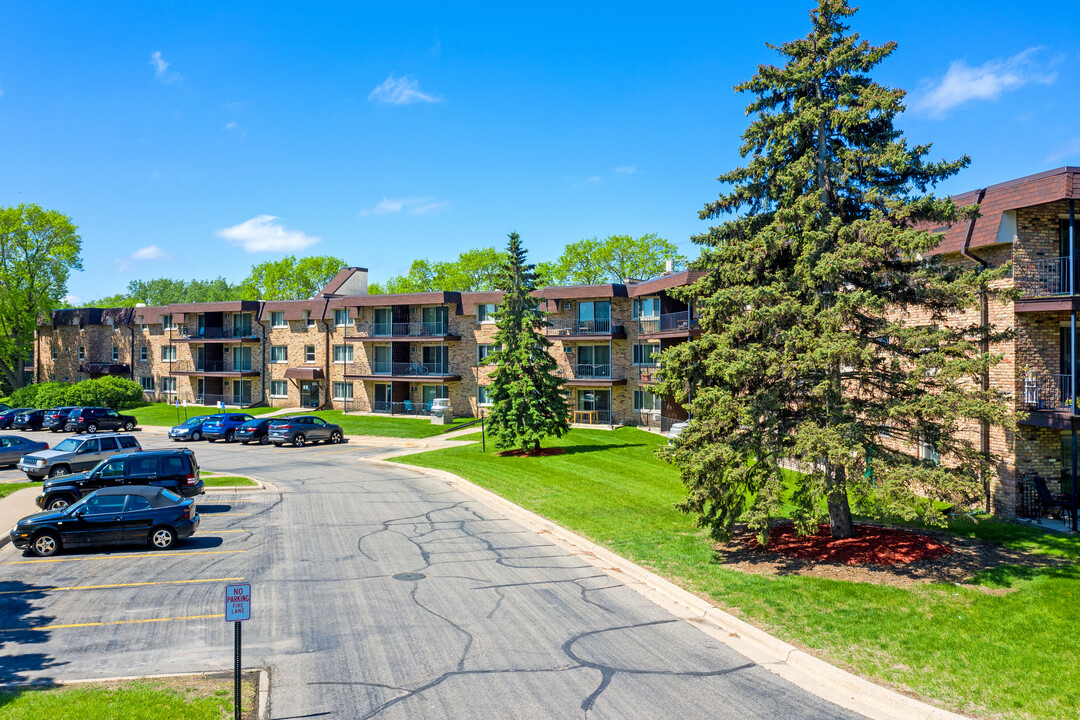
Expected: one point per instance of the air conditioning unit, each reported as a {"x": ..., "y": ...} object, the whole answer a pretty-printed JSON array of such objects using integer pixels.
[
  {"x": 568, "y": 349},
  {"x": 567, "y": 305}
]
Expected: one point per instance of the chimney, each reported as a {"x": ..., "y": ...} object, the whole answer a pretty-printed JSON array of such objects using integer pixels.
[{"x": 669, "y": 266}]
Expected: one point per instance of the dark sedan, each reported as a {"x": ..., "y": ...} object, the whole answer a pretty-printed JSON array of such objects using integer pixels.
[
  {"x": 140, "y": 515},
  {"x": 302, "y": 429},
  {"x": 253, "y": 431},
  {"x": 13, "y": 447},
  {"x": 8, "y": 416},
  {"x": 29, "y": 420}
]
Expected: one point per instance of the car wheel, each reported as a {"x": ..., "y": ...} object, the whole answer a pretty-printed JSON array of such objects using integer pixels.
[
  {"x": 162, "y": 538},
  {"x": 45, "y": 544},
  {"x": 299, "y": 440},
  {"x": 264, "y": 440},
  {"x": 91, "y": 428},
  {"x": 335, "y": 437},
  {"x": 196, "y": 435},
  {"x": 59, "y": 503},
  {"x": 59, "y": 470},
  {"x": 129, "y": 426},
  {"x": 229, "y": 436}
]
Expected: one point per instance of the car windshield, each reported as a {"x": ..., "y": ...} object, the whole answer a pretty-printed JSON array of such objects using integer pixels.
[
  {"x": 75, "y": 506},
  {"x": 69, "y": 445},
  {"x": 193, "y": 421}
]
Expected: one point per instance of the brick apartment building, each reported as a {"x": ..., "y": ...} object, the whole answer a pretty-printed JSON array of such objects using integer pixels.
[{"x": 377, "y": 353}]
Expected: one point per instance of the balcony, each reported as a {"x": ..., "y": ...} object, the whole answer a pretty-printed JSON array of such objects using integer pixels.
[
  {"x": 418, "y": 372},
  {"x": 414, "y": 331},
  {"x": 1047, "y": 398},
  {"x": 401, "y": 408},
  {"x": 586, "y": 329},
  {"x": 590, "y": 376},
  {"x": 648, "y": 374},
  {"x": 233, "y": 400},
  {"x": 677, "y": 324},
  {"x": 214, "y": 368},
  {"x": 186, "y": 333},
  {"x": 1043, "y": 278}
]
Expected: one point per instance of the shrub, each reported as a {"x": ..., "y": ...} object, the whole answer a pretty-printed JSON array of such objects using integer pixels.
[
  {"x": 24, "y": 397},
  {"x": 112, "y": 392},
  {"x": 52, "y": 394}
]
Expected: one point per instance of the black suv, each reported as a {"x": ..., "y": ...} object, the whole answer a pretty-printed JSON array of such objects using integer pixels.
[
  {"x": 175, "y": 470},
  {"x": 56, "y": 418},
  {"x": 92, "y": 419}
]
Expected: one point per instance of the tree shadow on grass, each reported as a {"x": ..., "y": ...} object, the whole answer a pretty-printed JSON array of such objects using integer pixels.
[{"x": 579, "y": 449}]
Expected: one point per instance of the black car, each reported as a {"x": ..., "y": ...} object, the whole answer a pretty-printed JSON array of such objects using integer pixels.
[
  {"x": 57, "y": 417},
  {"x": 176, "y": 470},
  {"x": 253, "y": 431},
  {"x": 136, "y": 514},
  {"x": 302, "y": 429},
  {"x": 92, "y": 419},
  {"x": 29, "y": 420},
  {"x": 8, "y": 416}
]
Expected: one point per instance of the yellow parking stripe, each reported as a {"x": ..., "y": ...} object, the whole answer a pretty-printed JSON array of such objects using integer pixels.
[
  {"x": 124, "y": 557},
  {"x": 217, "y": 515},
  {"x": 116, "y": 622},
  {"x": 119, "y": 585},
  {"x": 220, "y": 532}
]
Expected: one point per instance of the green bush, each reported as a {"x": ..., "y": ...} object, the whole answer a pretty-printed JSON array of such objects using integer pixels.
[
  {"x": 112, "y": 392},
  {"x": 51, "y": 394},
  {"x": 24, "y": 397}
]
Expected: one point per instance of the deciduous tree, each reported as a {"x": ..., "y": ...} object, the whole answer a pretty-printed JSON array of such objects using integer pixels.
[
  {"x": 289, "y": 278},
  {"x": 613, "y": 259},
  {"x": 473, "y": 270}
]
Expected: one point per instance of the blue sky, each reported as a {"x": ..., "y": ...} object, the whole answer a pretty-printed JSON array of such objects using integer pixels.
[{"x": 193, "y": 140}]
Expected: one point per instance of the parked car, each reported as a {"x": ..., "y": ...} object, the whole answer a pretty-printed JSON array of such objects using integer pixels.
[
  {"x": 302, "y": 429},
  {"x": 29, "y": 420},
  {"x": 56, "y": 418},
  {"x": 92, "y": 419},
  {"x": 175, "y": 470},
  {"x": 13, "y": 447},
  {"x": 190, "y": 429},
  {"x": 254, "y": 431},
  {"x": 7, "y": 417},
  {"x": 75, "y": 454},
  {"x": 137, "y": 514},
  {"x": 223, "y": 426}
]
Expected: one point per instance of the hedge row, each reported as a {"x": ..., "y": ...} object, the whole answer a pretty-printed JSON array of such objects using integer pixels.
[{"x": 112, "y": 392}]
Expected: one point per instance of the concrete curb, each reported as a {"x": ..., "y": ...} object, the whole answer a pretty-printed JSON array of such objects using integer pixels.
[{"x": 794, "y": 665}]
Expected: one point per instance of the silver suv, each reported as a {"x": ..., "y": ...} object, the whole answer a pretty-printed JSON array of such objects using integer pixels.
[{"x": 77, "y": 453}]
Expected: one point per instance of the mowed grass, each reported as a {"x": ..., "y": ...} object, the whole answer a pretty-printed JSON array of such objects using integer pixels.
[
  {"x": 1003, "y": 648},
  {"x": 166, "y": 415},
  {"x": 163, "y": 699},
  {"x": 386, "y": 426},
  {"x": 8, "y": 488},
  {"x": 227, "y": 481}
]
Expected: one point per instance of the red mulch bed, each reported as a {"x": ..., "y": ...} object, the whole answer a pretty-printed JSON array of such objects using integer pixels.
[
  {"x": 542, "y": 452},
  {"x": 872, "y": 545}
]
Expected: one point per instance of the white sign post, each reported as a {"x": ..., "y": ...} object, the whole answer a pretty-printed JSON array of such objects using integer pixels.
[{"x": 237, "y": 609}]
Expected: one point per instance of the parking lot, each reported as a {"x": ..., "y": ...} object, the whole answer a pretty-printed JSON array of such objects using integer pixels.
[{"x": 376, "y": 591}]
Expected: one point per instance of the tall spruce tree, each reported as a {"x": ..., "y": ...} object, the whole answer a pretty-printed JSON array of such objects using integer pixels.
[
  {"x": 528, "y": 402},
  {"x": 834, "y": 337}
]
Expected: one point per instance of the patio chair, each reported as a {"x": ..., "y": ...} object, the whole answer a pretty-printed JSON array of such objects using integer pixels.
[
  {"x": 408, "y": 406},
  {"x": 1048, "y": 500}
]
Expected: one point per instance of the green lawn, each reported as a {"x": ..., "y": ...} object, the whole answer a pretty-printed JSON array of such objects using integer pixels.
[
  {"x": 227, "y": 481},
  {"x": 8, "y": 488},
  {"x": 163, "y": 699},
  {"x": 1010, "y": 654},
  {"x": 165, "y": 414},
  {"x": 386, "y": 426}
]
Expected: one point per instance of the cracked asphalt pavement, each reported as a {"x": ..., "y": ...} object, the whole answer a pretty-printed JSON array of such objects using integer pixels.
[{"x": 377, "y": 592}]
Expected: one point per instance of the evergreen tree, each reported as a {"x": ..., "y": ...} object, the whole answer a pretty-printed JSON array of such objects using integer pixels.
[
  {"x": 527, "y": 398},
  {"x": 810, "y": 351}
]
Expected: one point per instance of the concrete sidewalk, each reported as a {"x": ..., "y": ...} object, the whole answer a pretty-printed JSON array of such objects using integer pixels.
[{"x": 15, "y": 507}]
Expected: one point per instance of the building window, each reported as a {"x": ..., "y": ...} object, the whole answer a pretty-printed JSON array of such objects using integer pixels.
[
  {"x": 279, "y": 388},
  {"x": 646, "y": 307},
  {"x": 279, "y": 354},
  {"x": 277, "y": 319},
  {"x": 647, "y": 355},
  {"x": 55, "y": 353},
  {"x": 167, "y": 323},
  {"x": 309, "y": 353},
  {"x": 115, "y": 354},
  {"x": 343, "y": 391},
  {"x": 485, "y": 312},
  {"x": 168, "y": 353},
  {"x": 343, "y": 354},
  {"x": 147, "y": 384},
  {"x": 645, "y": 400},
  {"x": 482, "y": 395},
  {"x": 82, "y": 353},
  {"x": 482, "y": 351},
  {"x": 308, "y": 319},
  {"x": 144, "y": 354},
  {"x": 929, "y": 438},
  {"x": 168, "y": 385},
  {"x": 341, "y": 317}
]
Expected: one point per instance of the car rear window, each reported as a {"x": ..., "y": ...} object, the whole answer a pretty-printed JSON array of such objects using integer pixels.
[
  {"x": 143, "y": 466},
  {"x": 137, "y": 502},
  {"x": 174, "y": 466},
  {"x": 126, "y": 441}
]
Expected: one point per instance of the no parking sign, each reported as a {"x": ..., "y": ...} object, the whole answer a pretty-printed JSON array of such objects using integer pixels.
[{"x": 237, "y": 602}]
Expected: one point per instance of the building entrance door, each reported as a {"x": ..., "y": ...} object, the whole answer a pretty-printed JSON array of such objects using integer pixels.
[{"x": 309, "y": 393}]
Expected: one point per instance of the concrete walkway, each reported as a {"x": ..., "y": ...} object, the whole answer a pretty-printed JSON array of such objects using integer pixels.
[{"x": 14, "y": 508}]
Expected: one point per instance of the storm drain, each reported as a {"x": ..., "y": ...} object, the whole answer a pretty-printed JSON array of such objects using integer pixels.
[{"x": 410, "y": 576}]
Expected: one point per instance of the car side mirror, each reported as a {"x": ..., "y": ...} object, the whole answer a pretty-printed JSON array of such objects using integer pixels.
[{"x": 81, "y": 511}]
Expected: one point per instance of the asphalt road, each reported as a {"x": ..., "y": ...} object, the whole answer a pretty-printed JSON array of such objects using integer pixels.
[{"x": 376, "y": 592}]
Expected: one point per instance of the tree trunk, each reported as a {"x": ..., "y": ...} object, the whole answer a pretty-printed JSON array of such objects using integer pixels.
[{"x": 840, "y": 523}]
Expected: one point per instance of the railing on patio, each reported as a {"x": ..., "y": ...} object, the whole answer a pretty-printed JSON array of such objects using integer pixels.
[
  {"x": 216, "y": 333},
  {"x": 1043, "y": 391},
  {"x": 600, "y": 326},
  {"x": 579, "y": 416},
  {"x": 592, "y": 371},
  {"x": 399, "y": 369},
  {"x": 213, "y": 366},
  {"x": 1042, "y": 278},
  {"x": 669, "y": 322},
  {"x": 653, "y": 419},
  {"x": 401, "y": 408},
  {"x": 230, "y": 400},
  {"x": 408, "y": 329},
  {"x": 649, "y": 374}
]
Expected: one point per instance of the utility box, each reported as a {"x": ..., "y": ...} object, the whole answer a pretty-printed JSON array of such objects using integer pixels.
[{"x": 441, "y": 414}]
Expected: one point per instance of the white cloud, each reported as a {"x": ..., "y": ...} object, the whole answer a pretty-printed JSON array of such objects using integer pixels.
[
  {"x": 231, "y": 125},
  {"x": 591, "y": 180},
  {"x": 1068, "y": 149},
  {"x": 626, "y": 169},
  {"x": 161, "y": 68},
  {"x": 401, "y": 91},
  {"x": 414, "y": 206},
  {"x": 72, "y": 299},
  {"x": 150, "y": 252},
  {"x": 962, "y": 83},
  {"x": 262, "y": 234}
]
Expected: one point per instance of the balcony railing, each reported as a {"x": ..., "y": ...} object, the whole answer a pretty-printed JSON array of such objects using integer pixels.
[
  {"x": 230, "y": 400},
  {"x": 1043, "y": 391},
  {"x": 653, "y": 419},
  {"x": 592, "y": 371},
  {"x": 401, "y": 369},
  {"x": 401, "y": 408},
  {"x": 1042, "y": 278},
  {"x": 669, "y": 322},
  {"x": 215, "y": 333},
  {"x": 648, "y": 374},
  {"x": 407, "y": 329},
  {"x": 581, "y": 416},
  {"x": 600, "y": 326},
  {"x": 214, "y": 366}
]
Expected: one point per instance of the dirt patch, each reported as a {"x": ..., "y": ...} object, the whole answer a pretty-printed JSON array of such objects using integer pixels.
[
  {"x": 965, "y": 558},
  {"x": 872, "y": 545},
  {"x": 542, "y": 452}
]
